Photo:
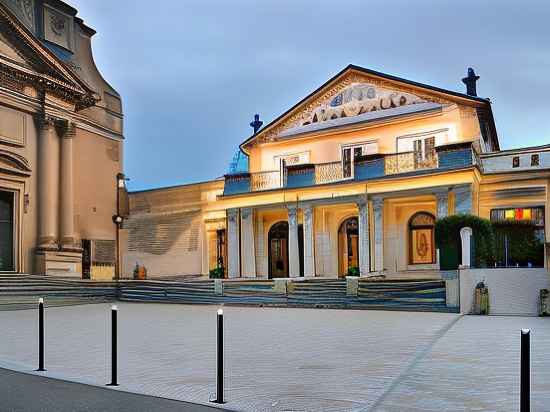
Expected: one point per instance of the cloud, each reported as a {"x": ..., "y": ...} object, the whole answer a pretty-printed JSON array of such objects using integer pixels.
[{"x": 192, "y": 73}]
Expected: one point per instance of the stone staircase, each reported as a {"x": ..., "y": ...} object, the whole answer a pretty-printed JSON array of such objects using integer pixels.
[{"x": 23, "y": 291}]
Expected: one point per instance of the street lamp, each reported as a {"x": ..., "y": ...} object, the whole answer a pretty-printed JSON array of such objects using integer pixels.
[{"x": 121, "y": 212}]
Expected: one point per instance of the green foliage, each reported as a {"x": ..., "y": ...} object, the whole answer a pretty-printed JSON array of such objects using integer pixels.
[
  {"x": 217, "y": 273},
  {"x": 447, "y": 239},
  {"x": 523, "y": 246},
  {"x": 353, "y": 271}
]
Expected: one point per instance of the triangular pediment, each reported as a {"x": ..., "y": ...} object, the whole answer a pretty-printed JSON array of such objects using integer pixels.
[
  {"x": 9, "y": 52},
  {"x": 20, "y": 50},
  {"x": 356, "y": 94}
]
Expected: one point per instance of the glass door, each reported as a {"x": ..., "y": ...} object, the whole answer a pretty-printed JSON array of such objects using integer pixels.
[{"x": 6, "y": 232}]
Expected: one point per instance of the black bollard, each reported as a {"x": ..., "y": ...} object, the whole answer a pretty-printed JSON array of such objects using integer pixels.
[
  {"x": 219, "y": 380},
  {"x": 525, "y": 385},
  {"x": 114, "y": 365},
  {"x": 41, "y": 335}
]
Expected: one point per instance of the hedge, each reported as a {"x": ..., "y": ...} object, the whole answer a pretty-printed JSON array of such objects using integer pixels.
[{"x": 447, "y": 239}]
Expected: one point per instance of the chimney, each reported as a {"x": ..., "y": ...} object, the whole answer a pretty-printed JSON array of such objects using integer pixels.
[
  {"x": 257, "y": 123},
  {"x": 470, "y": 82}
]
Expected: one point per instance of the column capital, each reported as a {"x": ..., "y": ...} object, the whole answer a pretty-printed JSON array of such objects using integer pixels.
[
  {"x": 377, "y": 202},
  {"x": 441, "y": 195},
  {"x": 246, "y": 212},
  {"x": 44, "y": 121},
  {"x": 232, "y": 215},
  {"x": 362, "y": 201}
]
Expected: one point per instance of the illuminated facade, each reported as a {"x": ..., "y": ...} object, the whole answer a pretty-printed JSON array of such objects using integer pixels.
[
  {"x": 60, "y": 145},
  {"x": 349, "y": 180}
]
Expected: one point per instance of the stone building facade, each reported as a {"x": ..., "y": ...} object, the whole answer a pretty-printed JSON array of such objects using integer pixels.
[
  {"x": 61, "y": 145},
  {"x": 349, "y": 180}
]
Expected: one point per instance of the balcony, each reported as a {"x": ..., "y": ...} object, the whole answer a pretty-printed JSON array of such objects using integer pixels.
[{"x": 364, "y": 168}]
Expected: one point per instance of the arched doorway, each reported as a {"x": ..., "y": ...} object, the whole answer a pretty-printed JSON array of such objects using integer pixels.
[
  {"x": 421, "y": 239},
  {"x": 348, "y": 246},
  {"x": 278, "y": 250}
]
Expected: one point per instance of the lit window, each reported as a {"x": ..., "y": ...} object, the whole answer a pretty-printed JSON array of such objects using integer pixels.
[{"x": 509, "y": 214}]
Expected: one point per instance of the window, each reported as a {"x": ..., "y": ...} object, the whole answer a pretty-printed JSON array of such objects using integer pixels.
[
  {"x": 351, "y": 153},
  {"x": 535, "y": 160},
  {"x": 515, "y": 161},
  {"x": 519, "y": 236}
]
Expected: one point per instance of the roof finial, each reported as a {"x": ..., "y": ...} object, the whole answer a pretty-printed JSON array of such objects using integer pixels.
[
  {"x": 257, "y": 123},
  {"x": 470, "y": 82}
]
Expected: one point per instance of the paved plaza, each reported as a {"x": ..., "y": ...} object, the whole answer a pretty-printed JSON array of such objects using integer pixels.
[{"x": 280, "y": 359}]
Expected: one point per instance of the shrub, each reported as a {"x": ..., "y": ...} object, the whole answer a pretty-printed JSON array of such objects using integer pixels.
[
  {"x": 447, "y": 239},
  {"x": 217, "y": 273},
  {"x": 523, "y": 246},
  {"x": 353, "y": 271}
]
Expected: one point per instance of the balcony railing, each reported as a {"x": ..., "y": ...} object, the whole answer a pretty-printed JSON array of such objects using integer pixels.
[
  {"x": 409, "y": 162},
  {"x": 265, "y": 180},
  {"x": 448, "y": 157},
  {"x": 328, "y": 173}
]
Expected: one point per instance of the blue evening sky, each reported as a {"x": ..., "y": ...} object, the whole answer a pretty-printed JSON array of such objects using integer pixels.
[{"x": 192, "y": 73}]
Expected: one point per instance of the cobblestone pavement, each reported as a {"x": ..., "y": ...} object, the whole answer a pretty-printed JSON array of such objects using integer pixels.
[{"x": 280, "y": 359}]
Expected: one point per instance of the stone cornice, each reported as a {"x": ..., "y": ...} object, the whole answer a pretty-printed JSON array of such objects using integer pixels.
[{"x": 53, "y": 76}]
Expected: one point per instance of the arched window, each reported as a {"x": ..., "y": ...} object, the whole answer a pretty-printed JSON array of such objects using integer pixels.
[
  {"x": 278, "y": 250},
  {"x": 421, "y": 239},
  {"x": 348, "y": 246}
]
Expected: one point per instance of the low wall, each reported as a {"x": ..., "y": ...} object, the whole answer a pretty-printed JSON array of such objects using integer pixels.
[{"x": 511, "y": 291}]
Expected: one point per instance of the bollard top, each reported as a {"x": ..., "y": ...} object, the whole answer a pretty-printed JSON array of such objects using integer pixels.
[
  {"x": 220, "y": 311},
  {"x": 40, "y": 300},
  {"x": 114, "y": 307},
  {"x": 525, "y": 331}
]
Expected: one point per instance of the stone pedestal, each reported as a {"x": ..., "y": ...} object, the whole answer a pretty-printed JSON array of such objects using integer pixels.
[
  {"x": 465, "y": 240},
  {"x": 59, "y": 263}
]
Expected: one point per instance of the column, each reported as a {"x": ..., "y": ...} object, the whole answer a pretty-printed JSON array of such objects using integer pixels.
[
  {"x": 48, "y": 180},
  {"x": 247, "y": 243},
  {"x": 68, "y": 241},
  {"x": 442, "y": 204},
  {"x": 378, "y": 210},
  {"x": 309, "y": 248},
  {"x": 293, "y": 253},
  {"x": 233, "y": 252},
  {"x": 364, "y": 244}
]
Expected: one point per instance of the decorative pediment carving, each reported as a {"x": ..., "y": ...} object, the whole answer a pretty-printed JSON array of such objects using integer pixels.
[
  {"x": 14, "y": 163},
  {"x": 359, "y": 98}
]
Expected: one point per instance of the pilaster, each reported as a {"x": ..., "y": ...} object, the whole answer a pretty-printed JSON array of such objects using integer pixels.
[
  {"x": 378, "y": 210},
  {"x": 68, "y": 240},
  {"x": 364, "y": 241},
  {"x": 293, "y": 253},
  {"x": 309, "y": 248},
  {"x": 48, "y": 183},
  {"x": 247, "y": 243},
  {"x": 233, "y": 250},
  {"x": 442, "y": 204}
]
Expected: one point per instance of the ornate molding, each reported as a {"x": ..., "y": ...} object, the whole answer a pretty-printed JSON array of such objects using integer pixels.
[
  {"x": 305, "y": 111},
  {"x": 14, "y": 163}
]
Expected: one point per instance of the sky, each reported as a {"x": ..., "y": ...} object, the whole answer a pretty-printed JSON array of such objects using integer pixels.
[{"x": 192, "y": 73}]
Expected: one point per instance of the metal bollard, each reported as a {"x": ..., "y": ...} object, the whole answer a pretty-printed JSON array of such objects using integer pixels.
[
  {"x": 41, "y": 335},
  {"x": 114, "y": 363},
  {"x": 219, "y": 381},
  {"x": 525, "y": 384}
]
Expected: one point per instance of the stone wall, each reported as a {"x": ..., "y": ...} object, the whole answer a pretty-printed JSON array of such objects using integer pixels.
[{"x": 511, "y": 291}]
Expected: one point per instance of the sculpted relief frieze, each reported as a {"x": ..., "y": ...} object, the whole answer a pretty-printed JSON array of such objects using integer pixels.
[
  {"x": 359, "y": 98},
  {"x": 24, "y": 9},
  {"x": 353, "y": 94}
]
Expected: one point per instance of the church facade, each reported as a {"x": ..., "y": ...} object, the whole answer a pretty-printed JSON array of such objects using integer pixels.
[
  {"x": 60, "y": 145},
  {"x": 350, "y": 180}
]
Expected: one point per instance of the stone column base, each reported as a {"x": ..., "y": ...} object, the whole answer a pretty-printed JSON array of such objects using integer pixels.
[{"x": 56, "y": 263}]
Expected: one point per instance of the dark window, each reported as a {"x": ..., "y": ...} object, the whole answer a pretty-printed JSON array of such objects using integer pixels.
[
  {"x": 515, "y": 161},
  {"x": 535, "y": 160}
]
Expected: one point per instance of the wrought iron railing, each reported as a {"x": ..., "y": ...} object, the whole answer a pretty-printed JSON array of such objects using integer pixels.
[
  {"x": 328, "y": 172},
  {"x": 265, "y": 180},
  {"x": 409, "y": 162}
]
